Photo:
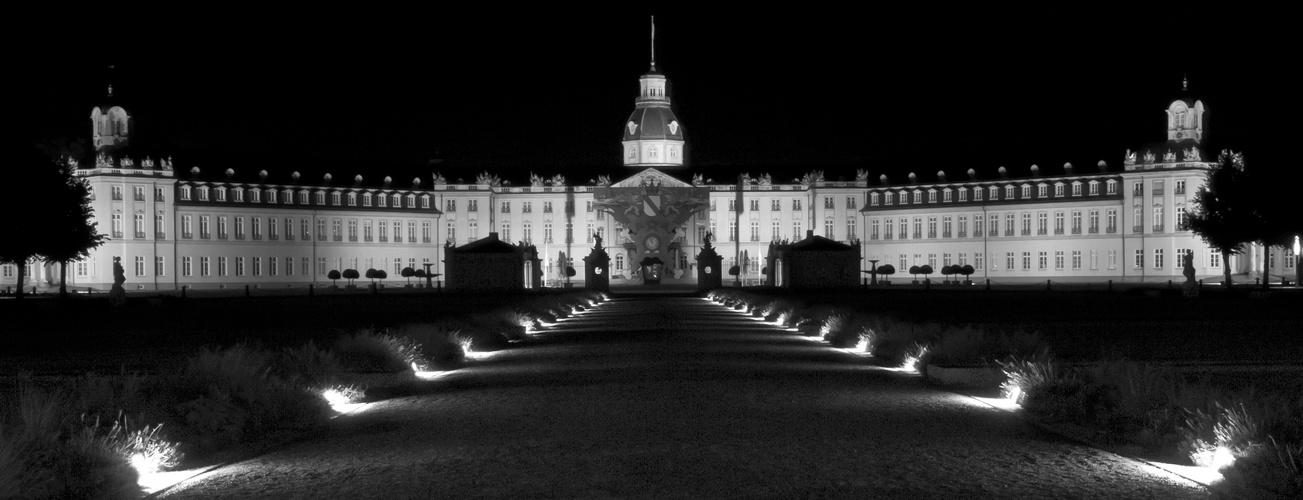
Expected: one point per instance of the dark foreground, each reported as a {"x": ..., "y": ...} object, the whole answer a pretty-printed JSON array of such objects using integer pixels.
[{"x": 680, "y": 398}]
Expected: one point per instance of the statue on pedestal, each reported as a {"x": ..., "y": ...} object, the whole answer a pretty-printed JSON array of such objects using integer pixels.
[
  {"x": 1191, "y": 287},
  {"x": 117, "y": 294}
]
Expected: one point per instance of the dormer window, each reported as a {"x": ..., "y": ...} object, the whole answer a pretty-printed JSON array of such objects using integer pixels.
[
  {"x": 334, "y": 198},
  {"x": 221, "y": 194},
  {"x": 1027, "y": 191},
  {"x": 366, "y": 199},
  {"x": 873, "y": 199},
  {"x": 1058, "y": 190},
  {"x": 185, "y": 193},
  {"x": 889, "y": 198},
  {"x": 238, "y": 195},
  {"x": 946, "y": 195},
  {"x": 1076, "y": 189},
  {"x": 352, "y": 199},
  {"x": 931, "y": 196},
  {"x": 1041, "y": 191},
  {"x": 1112, "y": 187},
  {"x": 1008, "y": 192},
  {"x": 203, "y": 193},
  {"x": 918, "y": 197},
  {"x": 977, "y": 194},
  {"x": 382, "y": 201}
]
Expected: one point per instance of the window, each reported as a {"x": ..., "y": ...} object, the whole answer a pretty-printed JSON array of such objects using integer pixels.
[
  {"x": 1137, "y": 188},
  {"x": 932, "y": 260},
  {"x": 755, "y": 230},
  {"x": 257, "y": 266},
  {"x": 472, "y": 205},
  {"x": 238, "y": 195},
  {"x": 337, "y": 230},
  {"x": 932, "y": 226},
  {"x": 946, "y": 224},
  {"x": 450, "y": 206},
  {"x": 828, "y": 228},
  {"x": 1058, "y": 190},
  {"x": 1042, "y": 260},
  {"x": 239, "y": 228},
  {"x": 796, "y": 204},
  {"x": 918, "y": 227},
  {"x": 321, "y": 265},
  {"x": 1158, "y": 258},
  {"x": 732, "y": 230},
  {"x": 945, "y": 259},
  {"x": 1215, "y": 259},
  {"x": 273, "y": 229},
  {"x": 526, "y": 207},
  {"x": 1008, "y": 223},
  {"x": 828, "y": 203},
  {"x": 140, "y": 266},
  {"x": 1094, "y": 188},
  {"x": 1027, "y": 191},
  {"x": 732, "y": 205},
  {"x": 755, "y": 205},
  {"x": 1076, "y": 221},
  {"x": 1042, "y": 190},
  {"x": 366, "y": 230},
  {"x": 239, "y": 266},
  {"x": 1026, "y": 261},
  {"x": 850, "y": 202},
  {"x": 888, "y": 230},
  {"x": 321, "y": 229},
  {"x": 619, "y": 262},
  {"x": 1076, "y": 189},
  {"x": 918, "y": 197},
  {"x": 547, "y": 231},
  {"x": 946, "y": 196},
  {"x": 352, "y": 230},
  {"x": 221, "y": 266},
  {"x": 526, "y": 231},
  {"x": 303, "y": 198},
  {"x": 850, "y": 230},
  {"x": 451, "y": 231},
  {"x": 1158, "y": 219},
  {"x": 203, "y": 227},
  {"x": 185, "y": 193},
  {"x": 776, "y": 230},
  {"x": 1140, "y": 259},
  {"x": 366, "y": 199},
  {"x": 1008, "y": 193},
  {"x": 797, "y": 233},
  {"x": 1058, "y": 259},
  {"x": 1058, "y": 222},
  {"x": 1026, "y": 224},
  {"x": 775, "y": 205},
  {"x": 873, "y": 229},
  {"x": 117, "y": 225},
  {"x": 978, "y": 225},
  {"x": 334, "y": 198},
  {"x": 904, "y": 263},
  {"x": 1112, "y": 220},
  {"x": 1094, "y": 221},
  {"x": 1182, "y": 223},
  {"x": 425, "y": 231},
  {"x": 186, "y": 267},
  {"x": 904, "y": 228},
  {"x": 977, "y": 260},
  {"x": 203, "y": 267},
  {"x": 396, "y": 201},
  {"x": 138, "y": 226},
  {"x": 1112, "y": 259},
  {"x": 963, "y": 195},
  {"x": 203, "y": 193},
  {"x": 221, "y": 227},
  {"x": 932, "y": 196},
  {"x": 889, "y": 197},
  {"x": 1180, "y": 187},
  {"x": 384, "y": 231}
]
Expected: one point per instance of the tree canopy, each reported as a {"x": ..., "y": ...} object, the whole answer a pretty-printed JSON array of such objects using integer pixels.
[{"x": 61, "y": 230}]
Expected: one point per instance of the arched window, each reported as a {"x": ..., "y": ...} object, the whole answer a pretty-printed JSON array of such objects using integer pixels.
[{"x": 651, "y": 152}]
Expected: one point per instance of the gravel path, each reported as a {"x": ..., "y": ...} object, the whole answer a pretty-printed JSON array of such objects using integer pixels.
[{"x": 682, "y": 398}]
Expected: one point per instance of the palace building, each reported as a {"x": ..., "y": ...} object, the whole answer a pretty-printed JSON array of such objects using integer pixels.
[{"x": 231, "y": 227}]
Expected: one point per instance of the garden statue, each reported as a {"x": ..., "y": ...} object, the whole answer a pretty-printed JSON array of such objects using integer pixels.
[
  {"x": 1191, "y": 287},
  {"x": 117, "y": 294}
]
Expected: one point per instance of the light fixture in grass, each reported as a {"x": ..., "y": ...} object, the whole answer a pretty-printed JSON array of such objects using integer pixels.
[
  {"x": 343, "y": 398},
  {"x": 913, "y": 356}
]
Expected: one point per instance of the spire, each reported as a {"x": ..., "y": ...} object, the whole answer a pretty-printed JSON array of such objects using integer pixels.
[
  {"x": 1185, "y": 82},
  {"x": 110, "y": 80},
  {"x": 653, "y": 42}
]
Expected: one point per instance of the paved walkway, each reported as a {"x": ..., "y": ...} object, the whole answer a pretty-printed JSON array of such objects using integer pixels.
[{"x": 673, "y": 397}]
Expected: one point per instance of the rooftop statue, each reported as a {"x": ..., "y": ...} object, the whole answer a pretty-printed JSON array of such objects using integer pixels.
[
  {"x": 696, "y": 180},
  {"x": 439, "y": 179},
  {"x": 1149, "y": 157},
  {"x": 1131, "y": 157},
  {"x": 603, "y": 180},
  {"x": 147, "y": 163},
  {"x": 535, "y": 180},
  {"x": 558, "y": 180},
  {"x": 766, "y": 180},
  {"x": 1169, "y": 156},
  {"x": 127, "y": 163},
  {"x": 861, "y": 175},
  {"x": 487, "y": 178},
  {"x": 1192, "y": 154},
  {"x": 167, "y": 164}
]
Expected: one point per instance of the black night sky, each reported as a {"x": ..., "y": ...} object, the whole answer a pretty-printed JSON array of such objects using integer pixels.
[{"x": 892, "y": 92}]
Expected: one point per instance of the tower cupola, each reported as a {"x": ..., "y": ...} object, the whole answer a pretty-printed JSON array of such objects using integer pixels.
[
  {"x": 110, "y": 125},
  {"x": 652, "y": 136}
]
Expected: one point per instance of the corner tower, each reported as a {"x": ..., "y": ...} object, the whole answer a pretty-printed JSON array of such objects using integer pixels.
[
  {"x": 1185, "y": 117},
  {"x": 110, "y": 125},
  {"x": 653, "y": 137}
]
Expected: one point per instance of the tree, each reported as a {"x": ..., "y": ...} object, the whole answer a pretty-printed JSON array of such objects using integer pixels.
[
  {"x": 350, "y": 275},
  {"x": 333, "y": 276},
  {"x": 408, "y": 272},
  {"x": 887, "y": 270},
  {"x": 37, "y": 182},
  {"x": 915, "y": 271},
  {"x": 947, "y": 271},
  {"x": 371, "y": 275},
  {"x": 925, "y": 270},
  {"x": 967, "y": 270},
  {"x": 75, "y": 236},
  {"x": 1223, "y": 214},
  {"x": 381, "y": 275}
]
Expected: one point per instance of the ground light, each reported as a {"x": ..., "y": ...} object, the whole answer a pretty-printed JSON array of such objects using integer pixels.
[{"x": 340, "y": 401}]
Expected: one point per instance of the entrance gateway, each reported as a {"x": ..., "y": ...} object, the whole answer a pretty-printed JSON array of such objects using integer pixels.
[{"x": 652, "y": 208}]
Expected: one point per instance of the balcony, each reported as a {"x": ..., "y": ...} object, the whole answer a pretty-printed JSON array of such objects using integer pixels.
[
  {"x": 1094, "y": 230},
  {"x": 873, "y": 236},
  {"x": 1111, "y": 229},
  {"x": 962, "y": 234},
  {"x": 221, "y": 236},
  {"x": 426, "y": 239},
  {"x": 918, "y": 236},
  {"x": 945, "y": 235},
  {"x": 887, "y": 236},
  {"x": 931, "y": 234},
  {"x": 1076, "y": 230},
  {"x": 994, "y": 232},
  {"x": 384, "y": 239},
  {"x": 117, "y": 234},
  {"x": 1008, "y": 232},
  {"x": 1027, "y": 232},
  {"x": 140, "y": 197},
  {"x": 117, "y": 196},
  {"x": 338, "y": 238},
  {"x": 1158, "y": 228},
  {"x": 1137, "y": 229},
  {"x": 352, "y": 239},
  {"x": 206, "y": 236},
  {"x": 257, "y": 237},
  {"x": 188, "y": 236},
  {"x": 1058, "y": 231},
  {"x": 239, "y": 236},
  {"x": 1042, "y": 232},
  {"x": 140, "y": 235},
  {"x": 398, "y": 238},
  {"x": 160, "y": 236}
]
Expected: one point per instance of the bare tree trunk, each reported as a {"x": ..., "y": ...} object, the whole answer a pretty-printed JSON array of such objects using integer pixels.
[
  {"x": 1265, "y": 269},
  {"x": 1226, "y": 268},
  {"x": 22, "y": 273},
  {"x": 63, "y": 280}
]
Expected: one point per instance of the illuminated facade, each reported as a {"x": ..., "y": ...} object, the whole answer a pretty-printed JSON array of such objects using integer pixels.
[{"x": 224, "y": 229}]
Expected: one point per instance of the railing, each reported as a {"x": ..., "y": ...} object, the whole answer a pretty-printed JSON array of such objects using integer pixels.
[
  {"x": 873, "y": 236},
  {"x": 384, "y": 239},
  {"x": 1059, "y": 231},
  {"x": 1111, "y": 229},
  {"x": 931, "y": 234},
  {"x": 140, "y": 235},
  {"x": 206, "y": 236},
  {"x": 887, "y": 236},
  {"x": 188, "y": 236},
  {"x": 117, "y": 234},
  {"x": 1158, "y": 192},
  {"x": 140, "y": 197},
  {"x": 352, "y": 238},
  {"x": 117, "y": 196},
  {"x": 962, "y": 234},
  {"x": 1158, "y": 228},
  {"x": 918, "y": 235},
  {"x": 239, "y": 236},
  {"x": 1137, "y": 229},
  {"x": 339, "y": 238},
  {"x": 1026, "y": 232},
  {"x": 1076, "y": 230},
  {"x": 221, "y": 236}
]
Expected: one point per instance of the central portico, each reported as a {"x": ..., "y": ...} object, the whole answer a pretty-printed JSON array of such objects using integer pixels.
[{"x": 653, "y": 210}]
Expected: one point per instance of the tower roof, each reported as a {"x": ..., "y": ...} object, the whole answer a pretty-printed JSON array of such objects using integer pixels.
[{"x": 652, "y": 123}]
